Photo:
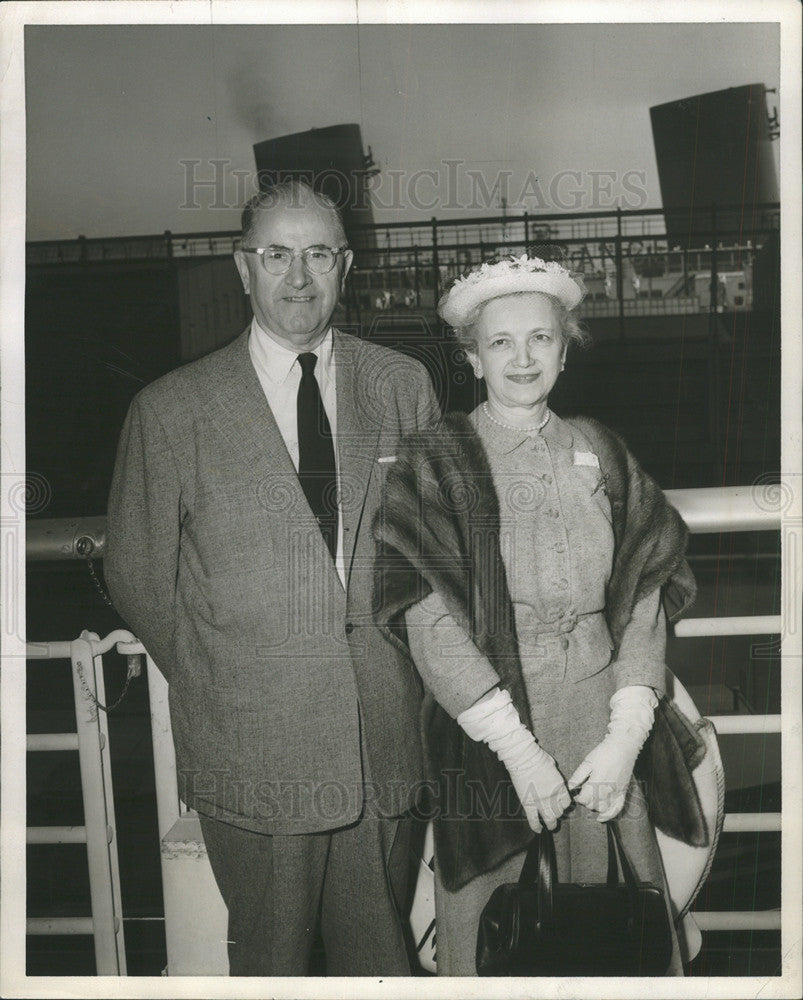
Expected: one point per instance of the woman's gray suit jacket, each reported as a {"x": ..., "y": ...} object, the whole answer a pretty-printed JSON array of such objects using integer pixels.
[{"x": 279, "y": 681}]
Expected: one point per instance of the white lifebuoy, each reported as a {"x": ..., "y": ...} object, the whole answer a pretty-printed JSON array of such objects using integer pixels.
[{"x": 686, "y": 867}]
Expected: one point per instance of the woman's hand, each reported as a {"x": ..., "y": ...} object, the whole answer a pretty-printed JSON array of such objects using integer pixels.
[
  {"x": 604, "y": 776},
  {"x": 538, "y": 783}
]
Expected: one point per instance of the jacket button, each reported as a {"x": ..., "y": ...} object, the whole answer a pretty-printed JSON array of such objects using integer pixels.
[
  {"x": 564, "y": 642},
  {"x": 349, "y": 628}
]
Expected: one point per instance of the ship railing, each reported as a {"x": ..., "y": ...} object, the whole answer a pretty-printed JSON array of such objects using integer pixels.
[
  {"x": 624, "y": 248},
  {"x": 707, "y": 510}
]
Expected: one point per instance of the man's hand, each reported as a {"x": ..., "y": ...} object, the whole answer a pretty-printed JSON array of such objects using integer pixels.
[
  {"x": 604, "y": 776},
  {"x": 538, "y": 783}
]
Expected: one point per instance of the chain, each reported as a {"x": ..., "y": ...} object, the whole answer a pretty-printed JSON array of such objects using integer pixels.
[
  {"x": 85, "y": 546},
  {"x": 134, "y": 670}
]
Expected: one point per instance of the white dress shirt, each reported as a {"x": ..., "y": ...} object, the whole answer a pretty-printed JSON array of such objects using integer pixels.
[{"x": 279, "y": 375}]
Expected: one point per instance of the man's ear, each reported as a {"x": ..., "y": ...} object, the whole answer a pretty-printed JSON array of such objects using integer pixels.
[
  {"x": 348, "y": 260},
  {"x": 242, "y": 267}
]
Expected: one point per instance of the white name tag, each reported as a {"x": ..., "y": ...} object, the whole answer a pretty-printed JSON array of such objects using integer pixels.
[
  {"x": 586, "y": 458},
  {"x": 386, "y": 458}
]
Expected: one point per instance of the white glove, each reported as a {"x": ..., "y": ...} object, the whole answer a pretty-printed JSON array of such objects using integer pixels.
[
  {"x": 538, "y": 783},
  {"x": 605, "y": 773}
]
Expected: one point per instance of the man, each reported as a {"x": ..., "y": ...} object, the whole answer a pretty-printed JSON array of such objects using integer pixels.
[{"x": 240, "y": 553}]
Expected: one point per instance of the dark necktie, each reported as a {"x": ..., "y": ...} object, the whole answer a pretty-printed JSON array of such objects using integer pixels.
[{"x": 316, "y": 453}]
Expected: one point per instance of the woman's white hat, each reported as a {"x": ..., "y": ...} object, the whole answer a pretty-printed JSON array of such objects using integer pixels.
[{"x": 512, "y": 274}]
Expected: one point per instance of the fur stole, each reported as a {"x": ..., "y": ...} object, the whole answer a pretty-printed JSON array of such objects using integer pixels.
[{"x": 438, "y": 529}]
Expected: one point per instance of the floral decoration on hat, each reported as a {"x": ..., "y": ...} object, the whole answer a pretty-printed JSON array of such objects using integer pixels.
[{"x": 506, "y": 277}]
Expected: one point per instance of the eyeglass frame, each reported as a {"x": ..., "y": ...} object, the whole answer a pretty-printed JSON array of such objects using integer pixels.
[{"x": 261, "y": 251}]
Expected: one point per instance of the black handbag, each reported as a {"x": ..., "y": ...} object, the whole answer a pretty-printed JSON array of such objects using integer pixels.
[{"x": 540, "y": 927}]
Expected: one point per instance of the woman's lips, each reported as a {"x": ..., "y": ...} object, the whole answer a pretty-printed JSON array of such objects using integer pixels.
[{"x": 524, "y": 379}]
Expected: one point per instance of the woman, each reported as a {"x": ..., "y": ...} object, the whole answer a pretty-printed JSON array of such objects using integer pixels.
[{"x": 525, "y": 557}]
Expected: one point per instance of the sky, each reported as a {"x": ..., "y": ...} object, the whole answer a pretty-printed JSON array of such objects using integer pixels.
[{"x": 560, "y": 111}]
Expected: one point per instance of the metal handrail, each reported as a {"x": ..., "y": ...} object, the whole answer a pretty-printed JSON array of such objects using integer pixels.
[
  {"x": 57, "y": 538},
  {"x": 729, "y": 508},
  {"x": 747, "y": 625},
  {"x": 725, "y": 725},
  {"x": 569, "y": 218},
  {"x": 741, "y": 920},
  {"x": 630, "y": 241},
  {"x": 704, "y": 509}
]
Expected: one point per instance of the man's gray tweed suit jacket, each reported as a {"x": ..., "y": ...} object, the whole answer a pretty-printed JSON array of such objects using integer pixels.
[{"x": 279, "y": 680}]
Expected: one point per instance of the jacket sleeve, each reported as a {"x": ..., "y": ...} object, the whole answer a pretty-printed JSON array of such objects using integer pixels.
[
  {"x": 642, "y": 652},
  {"x": 449, "y": 663},
  {"x": 143, "y": 533}
]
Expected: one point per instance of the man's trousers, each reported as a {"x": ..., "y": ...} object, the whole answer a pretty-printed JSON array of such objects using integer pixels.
[{"x": 355, "y": 879}]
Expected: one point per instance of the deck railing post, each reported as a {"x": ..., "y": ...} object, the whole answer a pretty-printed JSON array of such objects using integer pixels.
[
  {"x": 164, "y": 755},
  {"x": 93, "y": 756},
  {"x": 436, "y": 274},
  {"x": 620, "y": 284},
  {"x": 714, "y": 404}
]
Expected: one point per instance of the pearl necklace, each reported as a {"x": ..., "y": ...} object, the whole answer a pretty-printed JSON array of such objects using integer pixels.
[{"x": 513, "y": 427}]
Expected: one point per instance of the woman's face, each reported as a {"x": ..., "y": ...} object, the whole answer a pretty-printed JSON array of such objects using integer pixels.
[{"x": 520, "y": 351}]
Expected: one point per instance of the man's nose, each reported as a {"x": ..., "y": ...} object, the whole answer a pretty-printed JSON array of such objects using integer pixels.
[{"x": 298, "y": 276}]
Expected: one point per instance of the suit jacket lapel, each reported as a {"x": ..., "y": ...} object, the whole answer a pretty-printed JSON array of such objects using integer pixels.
[
  {"x": 358, "y": 427},
  {"x": 249, "y": 423}
]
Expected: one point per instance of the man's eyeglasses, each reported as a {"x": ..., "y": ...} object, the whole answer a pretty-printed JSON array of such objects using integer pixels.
[{"x": 278, "y": 260}]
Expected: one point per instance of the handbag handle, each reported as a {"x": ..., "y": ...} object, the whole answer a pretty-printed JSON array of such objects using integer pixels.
[
  {"x": 540, "y": 869},
  {"x": 540, "y": 872},
  {"x": 615, "y": 837}
]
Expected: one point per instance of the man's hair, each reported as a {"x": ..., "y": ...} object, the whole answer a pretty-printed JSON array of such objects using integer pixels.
[{"x": 293, "y": 193}]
